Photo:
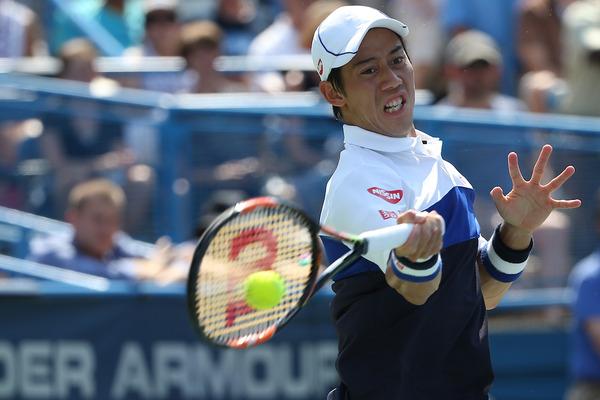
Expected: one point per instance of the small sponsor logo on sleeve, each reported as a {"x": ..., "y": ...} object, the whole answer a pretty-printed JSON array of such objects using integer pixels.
[{"x": 391, "y": 196}]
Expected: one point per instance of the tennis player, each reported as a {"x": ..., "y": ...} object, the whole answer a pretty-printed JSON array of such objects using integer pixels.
[{"x": 412, "y": 323}]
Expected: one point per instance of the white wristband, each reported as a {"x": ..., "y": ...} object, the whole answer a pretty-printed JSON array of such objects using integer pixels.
[
  {"x": 415, "y": 271},
  {"x": 501, "y": 262}
]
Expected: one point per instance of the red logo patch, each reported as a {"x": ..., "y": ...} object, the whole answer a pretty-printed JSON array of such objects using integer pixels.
[
  {"x": 393, "y": 196},
  {"x": 320, "y": 67},
  {"x": 388, "y": 214}
]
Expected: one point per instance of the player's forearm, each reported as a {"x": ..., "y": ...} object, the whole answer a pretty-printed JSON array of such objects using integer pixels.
[
  {"x": 502, "y": 260},
  {"x": 492, "y": 289},
  {"x": 415, "y": 281},
  {"x": 514, "y": 237},
  {"x": 416, "y": 293}
]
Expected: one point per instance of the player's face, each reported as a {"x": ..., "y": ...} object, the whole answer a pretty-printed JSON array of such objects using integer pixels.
[
  {"x": 96, "y": 224},
  {"x": 379, "y": 86}
]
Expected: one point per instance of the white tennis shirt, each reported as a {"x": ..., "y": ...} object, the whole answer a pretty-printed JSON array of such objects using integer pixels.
[{"x": 378, "y": 177}]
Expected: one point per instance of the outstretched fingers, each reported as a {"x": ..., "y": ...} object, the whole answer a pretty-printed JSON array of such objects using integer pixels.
[
  {"x": 514, "y": 171},
  {"x": 540, "y": 165},
  {"x": 567, "y": 204},
  {"x": 558, "y": 181}
]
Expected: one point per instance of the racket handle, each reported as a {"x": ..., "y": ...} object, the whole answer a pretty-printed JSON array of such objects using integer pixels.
[{"x": 386, "y": 238}]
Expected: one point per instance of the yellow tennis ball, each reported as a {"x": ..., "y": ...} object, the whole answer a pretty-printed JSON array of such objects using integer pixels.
[{"x": 264, "y": 289}]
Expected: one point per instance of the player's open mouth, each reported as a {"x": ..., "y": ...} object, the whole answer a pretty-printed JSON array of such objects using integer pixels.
[{"x": 394, "y": 105}]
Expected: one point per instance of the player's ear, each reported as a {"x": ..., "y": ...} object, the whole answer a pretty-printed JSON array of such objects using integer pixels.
[{"x": 331, "y": 95}]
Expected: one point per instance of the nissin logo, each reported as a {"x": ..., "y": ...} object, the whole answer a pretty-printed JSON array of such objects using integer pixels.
[{"x": 393, "y": 196}]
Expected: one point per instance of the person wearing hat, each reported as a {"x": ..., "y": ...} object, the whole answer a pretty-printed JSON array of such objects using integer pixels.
[
  {"x": 571, "y": 91},
  {"x": 473, "y": 70},
  {"x": 162, "y": 38},
  {"x": 412, "y": 321},
  {"x": 201, "y": 42}
]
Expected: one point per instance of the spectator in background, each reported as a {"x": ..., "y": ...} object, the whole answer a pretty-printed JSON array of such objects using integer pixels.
[
  {"x": 575, "y": 92},
  {"x": 314, "y": 15},
  {"x": 556, "y": 59},
  {"x": 281, "y": 38},
  {"x": 97, "y": 245},
  {"x": 539, "y": 30},
  {"x": 20, "y": 36},
  {"x": 201, "y": 45},
  {"x": 162, "y": 38},
  {"x": 427, "y": 39},
  {"x": 496, "y": 18},
  {"x": 20, "y": 31},
  {"x": 473, "y": 68},
  {"x": 77, "y": 63},
  {"x": 581, "y": 58},
  {"x": 80, "y": 145},
  {"x": 305, "y": 159},
  {"x": 539, "y": 48},
  {"x": 240, "y": 23},
  {"x": 123, "y": 19},
  {"x": 11, "y": 192},
  {"x": 162, "y": 28},
  {"x": 584, "y": 361}
]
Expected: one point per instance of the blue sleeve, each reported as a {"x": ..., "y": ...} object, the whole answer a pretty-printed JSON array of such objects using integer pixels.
[
  {"x": 587, "y": 298},
  {"x": 335, "y": 249}
]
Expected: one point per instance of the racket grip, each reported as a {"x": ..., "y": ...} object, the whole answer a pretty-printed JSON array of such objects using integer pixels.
[{"x": 387, "y": 238}]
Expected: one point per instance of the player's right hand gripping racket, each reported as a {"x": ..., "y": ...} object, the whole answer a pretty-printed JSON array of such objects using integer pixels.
[{"x": 258, "y": 234}]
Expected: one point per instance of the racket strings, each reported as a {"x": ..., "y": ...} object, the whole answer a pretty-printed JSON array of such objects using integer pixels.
[{"x": 264, "y": 239}]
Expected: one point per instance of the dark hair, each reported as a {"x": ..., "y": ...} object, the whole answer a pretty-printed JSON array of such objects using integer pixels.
[{"x": 335, "y": 78}]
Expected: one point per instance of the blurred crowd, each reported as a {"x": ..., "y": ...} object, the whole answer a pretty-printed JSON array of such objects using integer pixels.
[
  {"x": 537, "y": 55},
  {"x": 541, "y": 56},
  {"x": 98, "y": 174}
]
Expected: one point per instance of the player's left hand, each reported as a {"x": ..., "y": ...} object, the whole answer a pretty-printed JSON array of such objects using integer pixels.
[{"x": 529, "y": 203}]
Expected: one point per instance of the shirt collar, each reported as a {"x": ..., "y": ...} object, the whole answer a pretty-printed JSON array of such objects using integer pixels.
[
  {"x": 361, "y": 137},
  {"x": 108, "y": 256}
]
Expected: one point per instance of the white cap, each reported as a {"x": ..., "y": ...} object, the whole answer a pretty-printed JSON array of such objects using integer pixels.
[
  {"x": 339, "y": 36},
  {"x": 156, "y": 5}
]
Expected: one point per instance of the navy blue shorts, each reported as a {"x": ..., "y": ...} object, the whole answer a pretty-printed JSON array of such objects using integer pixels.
[{"x": 390, "y": 349}]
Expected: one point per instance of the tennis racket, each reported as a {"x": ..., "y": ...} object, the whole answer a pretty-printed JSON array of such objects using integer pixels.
[{"x": 265, "y": 233}]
